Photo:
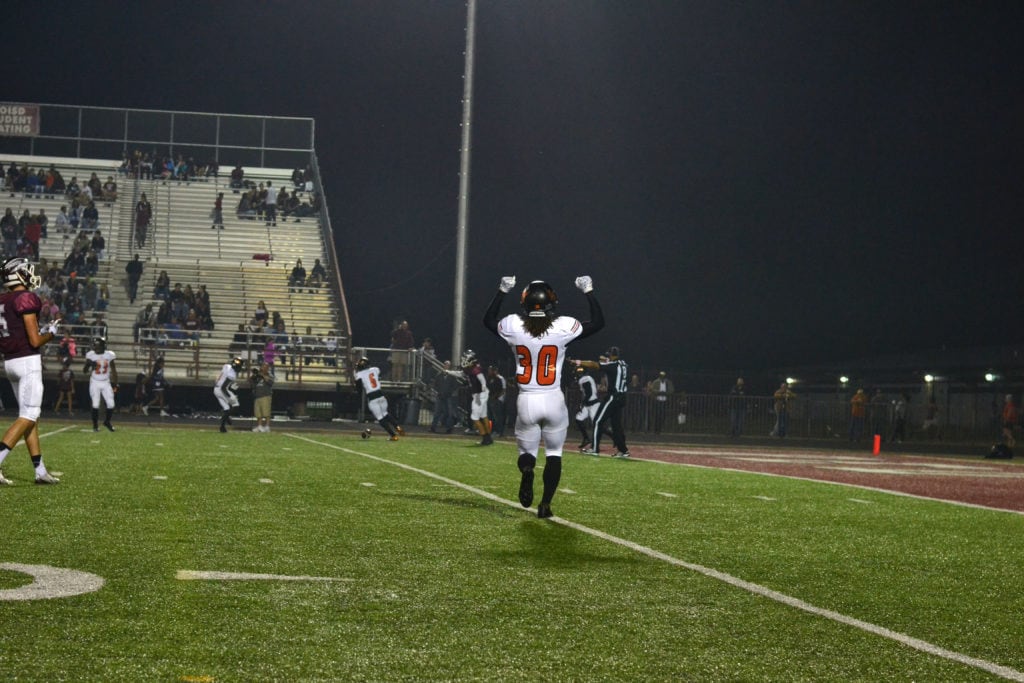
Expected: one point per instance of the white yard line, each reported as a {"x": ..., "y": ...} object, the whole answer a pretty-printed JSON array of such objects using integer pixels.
[{"x": 796, "y": 603}]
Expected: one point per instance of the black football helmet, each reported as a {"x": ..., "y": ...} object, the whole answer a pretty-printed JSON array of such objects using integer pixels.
[
  {"x": 237, "y": 363},
  {"x": 18, "y": 271},
  {"x": 362, "y": 363},
  {"x": 539, "y": 299},
  {"x": 99, "y": 344}
]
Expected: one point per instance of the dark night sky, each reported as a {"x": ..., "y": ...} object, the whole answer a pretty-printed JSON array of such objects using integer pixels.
[{"x": 750, "y": 184}]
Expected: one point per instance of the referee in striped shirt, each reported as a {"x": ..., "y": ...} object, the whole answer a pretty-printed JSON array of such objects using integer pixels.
[{"x": 609, "y": 412}]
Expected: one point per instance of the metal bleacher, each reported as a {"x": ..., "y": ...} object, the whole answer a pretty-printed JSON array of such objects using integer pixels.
[{"x": 240, "y": 265}]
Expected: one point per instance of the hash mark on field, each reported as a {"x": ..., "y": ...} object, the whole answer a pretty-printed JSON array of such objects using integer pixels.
[
  {"x": 266, "y": 481},
  {"x": 160, "y": 477},
  {"x": 765, "y": 498},
  {"x": 667, "y": 495},
  {"x": 158, "y": 443},
  {"x": 569, "y": 491},
  {"x": 193, "y": 575},
  {"x": 368, "y": 484},
  {"x": 858, "y": 500}
]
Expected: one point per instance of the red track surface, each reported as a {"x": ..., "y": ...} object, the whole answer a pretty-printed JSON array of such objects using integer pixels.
[{"x": 990, "y": 483}]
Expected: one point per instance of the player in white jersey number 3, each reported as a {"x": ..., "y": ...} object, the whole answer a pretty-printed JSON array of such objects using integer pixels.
[{"x": 538, "y": 337}]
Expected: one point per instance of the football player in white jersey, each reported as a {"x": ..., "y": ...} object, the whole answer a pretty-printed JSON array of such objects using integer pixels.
[
  {"x": 102, "y": 371},
  {"x": 538, "y": 337},
  {"x": 367, "y": 378},
  {"x": 226, "y": 390}
]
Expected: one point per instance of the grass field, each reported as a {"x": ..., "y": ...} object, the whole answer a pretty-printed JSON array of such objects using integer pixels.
[{"x": 411, "y": 561}]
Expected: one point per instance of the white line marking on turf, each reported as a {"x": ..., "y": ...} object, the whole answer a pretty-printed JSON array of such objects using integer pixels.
[
  {"x": 569, "y": 491},
  {"x": 837, "y": 483},
  {"x": 266, "y": 481},
  {"x": 160, "y": 477},
  {"x": 50, "y": 582},
  {"x": 765, "y": 498},
  {"x": 859, "y": 500},
  {"x": 756, "y": 589},
  {"x": 667, "y": 495},
  {"x": 368, "y": 484},
  {"x": 195, "y": 575}
]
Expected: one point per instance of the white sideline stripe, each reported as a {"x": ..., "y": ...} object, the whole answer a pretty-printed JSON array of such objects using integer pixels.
[
  {"x": 194, "y": 575},
  {"x": 836, "y": 483},
  {"x": 796, "y": 603}
]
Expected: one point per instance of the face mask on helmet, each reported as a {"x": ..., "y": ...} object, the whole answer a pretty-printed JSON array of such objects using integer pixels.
[{"x": 19, "y": 272}]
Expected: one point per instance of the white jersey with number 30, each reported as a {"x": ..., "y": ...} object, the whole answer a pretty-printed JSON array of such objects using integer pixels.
[{"x": 539, "y": 360}]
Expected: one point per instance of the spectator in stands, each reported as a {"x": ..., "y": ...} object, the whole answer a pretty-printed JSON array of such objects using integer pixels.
[
  {"x": 134, "y": 270},
  {"x": 110, "y": 190},
  {"x": 298, "y": 277},
  {"x": 289, "y": 204},
  {"x": 270, "y": 205},
  {"x": 95, "y": 186},
  {"x": 402, "y": 343},
  {"x": 55, "y": 183},
  {"x": 103, "y": 298},
  {"x": 240, "y": 340},
  {"x": 141, "y": 397},
  {"x": 179, "y": 305},
  {"x": 90, "y": 217},
  {"x": 75, "y": 217},
  {"x": 192, "y": 325},
  {"x": 143, "y": 319},
  {"x": 146, "y": 166},
  {"x": 261, "y": 314},
  {"x": 98, "y": 244},
  {"x": 143, "y": 215},
  {"x": 32, "y": 233},
  {"x": 62, "y": 223},
  {"x": 270, "y": 354},
  {"x": 317, "y": 276},
  {"x": 245, "y": 208},
  {"x": 90, "y": 291},
  {"x": 73, "y": 189},
  {"x": 259, "y": 201},
  {"x": 330, "y": 344},
  {"x": 237, "y": 178},
  {"x": 162, "y": 289},
  {"x": 92, "y": 262},
  {"x": 44, "y": 223},
  {"x": 218, "y": 212},
  {"x": 9, "y": 232}
]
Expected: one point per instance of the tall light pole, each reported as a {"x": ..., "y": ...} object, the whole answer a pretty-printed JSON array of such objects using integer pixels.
[{"x": 462, "y": 232}]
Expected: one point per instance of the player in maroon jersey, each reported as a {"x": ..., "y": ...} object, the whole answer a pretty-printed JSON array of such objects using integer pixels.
[{"x": 20, "y": 342}]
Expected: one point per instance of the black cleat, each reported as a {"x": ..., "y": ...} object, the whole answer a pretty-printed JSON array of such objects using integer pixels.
[
  {"x": 544, "y": 511},
  {"x": 223, "y": 429},
  {"x": 109, "y": 426},
  {"x": 487, "y": 440},
  {"x": 526, "y": 488}
]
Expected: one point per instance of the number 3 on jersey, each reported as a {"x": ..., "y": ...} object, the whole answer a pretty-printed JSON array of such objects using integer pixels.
[{"x": 546, "y": 365}]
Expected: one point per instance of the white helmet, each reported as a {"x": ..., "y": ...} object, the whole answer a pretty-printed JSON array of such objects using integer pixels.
[
  {"x": 468, "y": 358},
  {"x": 18, "y": 271}
]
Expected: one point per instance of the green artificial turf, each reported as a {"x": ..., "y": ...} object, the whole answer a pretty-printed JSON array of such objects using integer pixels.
[{"x": 437, "y": 574}]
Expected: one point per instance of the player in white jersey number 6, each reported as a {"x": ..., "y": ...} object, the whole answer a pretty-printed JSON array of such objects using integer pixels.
[{"x": 538, "y": 337}]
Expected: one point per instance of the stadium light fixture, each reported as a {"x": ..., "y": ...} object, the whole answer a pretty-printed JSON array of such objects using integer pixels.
[
  {"x": 991, "y": 377},
  {"x": 929, "y": 378},
  {"x": 791, "y": 380},
  {"x": 844, "y": 379}
]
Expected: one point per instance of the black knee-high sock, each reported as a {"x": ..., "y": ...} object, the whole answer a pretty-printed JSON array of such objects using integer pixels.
[
  {"x": 552, "y": 475},
  {"x": 582, "y": 426},
  {"x": 95, "y": 417},
  {"x": 224, "y": 418},
  {"x": 107, "y": 415},
  {"x": 386, "y": 424},
  {"x": 526, "y": 460}
]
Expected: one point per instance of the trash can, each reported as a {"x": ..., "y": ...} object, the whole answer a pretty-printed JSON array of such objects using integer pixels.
[{"x": 410, "y": 411}]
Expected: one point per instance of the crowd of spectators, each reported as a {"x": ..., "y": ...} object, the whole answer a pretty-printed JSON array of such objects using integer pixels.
[
  {"x": 179, "y": 316},
  {"x": 154, "y": 166}
]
